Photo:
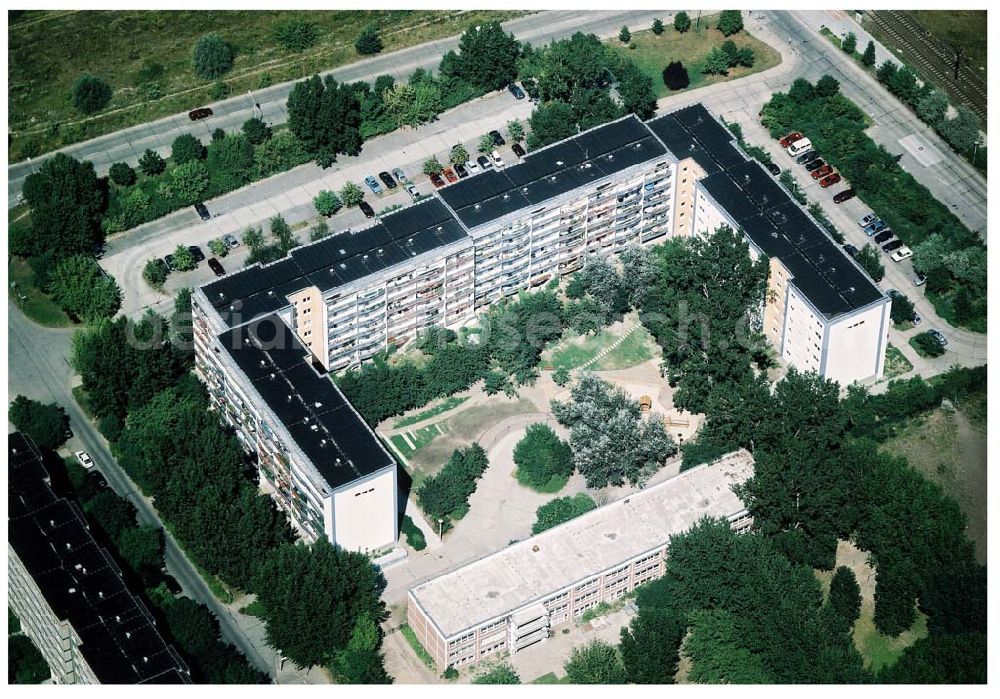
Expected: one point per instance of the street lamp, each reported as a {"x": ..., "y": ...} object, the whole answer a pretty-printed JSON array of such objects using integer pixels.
[{"x": 441, "y": 528}]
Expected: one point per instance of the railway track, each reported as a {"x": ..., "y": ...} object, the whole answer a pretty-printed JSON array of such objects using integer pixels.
[{"x": 934, "y": 59}]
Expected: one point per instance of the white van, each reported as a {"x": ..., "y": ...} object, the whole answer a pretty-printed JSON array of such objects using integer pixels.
[{"x": 799, "y": 147}]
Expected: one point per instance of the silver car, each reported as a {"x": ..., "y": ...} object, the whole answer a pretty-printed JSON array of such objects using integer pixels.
[
  {"x": 867, "y": 220},
  {"x": 939, "y": 336},
  {"x": 230, "y": 240},
  {"x": 400, "y": 175}
]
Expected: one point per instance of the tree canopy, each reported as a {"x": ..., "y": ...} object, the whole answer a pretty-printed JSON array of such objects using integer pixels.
[{"x": 66, "y": 201}]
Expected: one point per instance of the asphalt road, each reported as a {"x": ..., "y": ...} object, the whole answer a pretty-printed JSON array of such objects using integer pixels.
[
  {"x": 128, "y": 145},
  {"x": 38, "y": 369}
]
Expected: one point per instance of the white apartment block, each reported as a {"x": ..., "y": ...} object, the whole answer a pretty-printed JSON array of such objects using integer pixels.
[{"x": 510, "y": 600}]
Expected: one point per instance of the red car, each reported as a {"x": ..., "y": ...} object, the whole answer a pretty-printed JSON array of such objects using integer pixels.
[
  {"x": 821, "y": 172},
  {"x": 450, "y": 174},
  {"x": 436, "y": 180},
  {"x": 829, "y": 180},
  {"x": 789, "y": 139},
  {"x": 196, "y": 114}
]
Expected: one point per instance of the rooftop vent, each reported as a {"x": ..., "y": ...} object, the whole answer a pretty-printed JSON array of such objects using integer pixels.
[
  {"x": 552, "y": 179},
  {"x": 380, "y": 251},
  {"x": 273, "y": 375},
  {"x": 477, "y": 207},
  {"x": 342, "y": 251},
  {"x": 365, "y": 256},
  {"x": 506, "y": 196},
  {"x": 318, "y": 404},
  {"x": 524, "y": 190},
  {"x": 611, "y": 156},
  {"x": 343, "y": 266},
  {"x": 560, "y": 163},
  {"x": 638, "y": 146},
  {"x": 72, "y": 590},
  {"x": 314, "y": 428}
]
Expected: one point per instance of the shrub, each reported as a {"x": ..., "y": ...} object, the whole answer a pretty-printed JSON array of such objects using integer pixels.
[
  {"x": 657, "y": 26},
  {"x": 368, "y": 41},
  {"x": 90, "y": 94},
  {"x": 155, "y": 273},
  {"x": 183, "y": 259},
  {"x": 213, "y": 57},
  {"x": 122, "y": 174},
  {"x": 296, "y": 34},
  {"x": 188, "y": 181},
  {"x": 151, "y": 163},
  {"x": 220, "y": 91},
  {"x": 515, "y": 130},
  {"x": 849, "y": 44},
  {"x": 544, "y": 461},
  {"x": 432, "y": 166},
  {"x": 675, "y": 76},
  {"x": 555, "y": 512},
  {"x": 414, "y": 537},
  {"x": 351, "y": 194},
  {"x": 927, "y": 344},
  {"x": 218, "y": 247},
  {"x": 186, "y": 148},
  {"x": 624, "y": 35},
  {"x": 327, "y": 203},
  {"x": 319, "y": 231},
  {"x": 256, "y": 131},
  {"x": 730, "y": 22}
]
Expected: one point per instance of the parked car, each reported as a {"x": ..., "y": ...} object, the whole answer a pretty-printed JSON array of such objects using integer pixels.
[
  {"x": 518, "y": 150},
  {"x": 816, "y": 164},
  {"x": 799, "y": 147},
  {"x": 472, "y": 166},
  {"x": 461, "y": 171},
  {"x": 196, "y": 253},
  {"x": 892, "y": 245},
  {"x": 450, "y": 175},
  {"x": 400, "y": 175},
  {"x": 202, "y": 211},
  {"x": 373, "y": 185},
  {"x": 850, "y": 250},
  {"x": 168, "y": 260},
  {"x": 497, "y": 138},
  {"x": 200, "y": 113},
  {"x": 436, "y": 180},
  {"x": 919, "y": 278},
  {"x": 411, "y": 190},
  {"x": 230, "y": 240},
  {"x": 790, "y": 139},
  {"x": 484, "y": 162},
  {"x": 97, "y": 480},
  {"x": 216, "y": 266},
  {"x": 387, "y": 180},
  {"x": 84, "y": 459},
  {"x": 497, "y": 160},
  {"x": 875, "y": 226},
  {"x": 867, "y": 220},
  {"x": 806, "y": 157},
  {"x": 829, "y": 180},
  {"x": 367, "y": 209},
  {"x": 843, "y": 195},
  {"x": 901, "y": 254},
  {"x": 773, "y": 169},
  {"x": 883, "y": 237},
  {"x": 939, "y": 336},
  {"x": 516, "y": 91},
  {"x": 822, "y": 171}
]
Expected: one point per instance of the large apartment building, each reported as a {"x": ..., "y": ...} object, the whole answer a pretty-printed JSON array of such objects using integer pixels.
[
  {"x": 440, "y": 261},
  {"x": 68, "y": 593},
  {"x": 509, "y": 600}
]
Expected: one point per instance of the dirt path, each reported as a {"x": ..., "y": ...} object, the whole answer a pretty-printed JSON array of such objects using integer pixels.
[{"x": 974, "y": 481}]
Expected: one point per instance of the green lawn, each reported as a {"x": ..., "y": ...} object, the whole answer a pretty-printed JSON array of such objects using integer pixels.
[
  {"x": 635, "y": 349},
  {"x": 896, "y": 363},
  {"x": 411, "y": 638},
  {"x": 652, "y": 53},
  {"x": 35, "y": 304},
  {"x": 965, "y": 28},
  {"x": 445, "y": 405},
  {"x": 82, "y": 399},
  {"x": 575, "y": 350},
  {"x": 550, "y": 678},
  {"x": 419, "y": 438},
  {"x": 49, "y": 50},
  {"x": 878, "y": 650}
]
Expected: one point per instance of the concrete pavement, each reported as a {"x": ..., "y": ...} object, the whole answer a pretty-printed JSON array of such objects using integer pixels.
[
  {"x": 38, "y": 368},
  {"x": 128, "y": 145}
]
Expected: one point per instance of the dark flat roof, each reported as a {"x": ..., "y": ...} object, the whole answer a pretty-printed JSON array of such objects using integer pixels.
[
  {"x": 551, "y": 171},
  {"x": 335, "y": 438},
  {"x": 80, "y": 581},
  {"x": 334, "y": 261},
  {"x": 776, "y": 224}
]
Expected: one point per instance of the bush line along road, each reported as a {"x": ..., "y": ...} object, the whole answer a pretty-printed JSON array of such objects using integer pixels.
[{"x": 128, "y": 145}]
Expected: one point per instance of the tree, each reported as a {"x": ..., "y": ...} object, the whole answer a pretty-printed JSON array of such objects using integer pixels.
[
  {"x": 501, "y": 673},
  {"x": 351, "y": 194},
  {"x": 744, "y": 57},
  {"x": 636, "y": 91},
  {"x": 151, "y": 163},
  {"x": 183, "y": 258},
  {"x": 928, "y": 344},
  {"x": 657, "y": 26},
  {"x": 801, "y": 91},
  {"x": 25, "y": 663},
  {"x": 327, "y": 203},
  {"x": 296, "y": 34},
  {"x": 515, "y": 130},
  {"x": 595, "y": 663},
  {"x": 675, "y": 76},
  {"x": 559, "y": 510},
  {"x": 902, "y": 309},
  {"x": 283, "y": 232},
  {"x": 90, "y": 94},
  {"x": 213, "y": 57},
  {"x": 932, "y": 108},
  {"x": 561, "y": 376},
  {"x": 961, "y": 132},
  {"x": 940, "y": 659},
  {"x": 218, "y": 247},
  {"x": 155, "y": 273},
  {"x": 253, "y": 237},
  {"x": 232, "y": 155},
  {"x": 624, "y": 35},
  {"x": 827, "y": 86},
  {"x": 730, "y": 22},
  {"x": 326, "y": 117},
  {"x": 718, "y": 650},
  {"x": 869, "y": 260},
  {"x": 46, "y": 424},
  {"x": 543, "y": 460},
  {"x": 487, "y": 57},
  {"x": 458, "y": 155},
  {"x": 189, "y": 181},
  {"x": 845, "y": 596},
  {"x": 256, "y": 131},
  {"x": 486, "y": 143},
  {"x": 314, "y": 596},
  {"x": 142, "y": 547},
  {"x": 868, "y": 57},
  {"x": 412, "y": 105},
  {"x": 716, "y": 62},
  {"x": 849, "y": 44},
  {"x": 66, "y": 203},
  {"x": 549, "y": 123},
  {"x": 82, "y": 288},
  {"x": 319, "y": 231},
  {"x": 432, "y": 166},
  {"x": 886, "y": 72},
  {"x": 446, "y": 494},
  {"x": 113, "y": 513},
  {"x": 186, "y": 148},
  {"x": 682, "y": 22},
  {"x": 368, "y": 42},
  {"x": 121, "y": 174}
]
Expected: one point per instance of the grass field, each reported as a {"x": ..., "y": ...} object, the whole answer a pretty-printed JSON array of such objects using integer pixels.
[
  {"x": 652, "y": 53},
  {"x": 896, "y": 363},
  {"x": 635, "y": 349},
  {"x": 411, "y": 638},
  {"x": 417, "y": 438},
  {"x": 131, "y": 50},
  {"x": 445, "y": 405},
  {"x": 550, "y": 678},
  {"x": 966, "y": 28},
  {"x": 36, "y": 305}
]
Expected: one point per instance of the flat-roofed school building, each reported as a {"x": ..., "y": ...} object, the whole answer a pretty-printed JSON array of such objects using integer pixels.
[{"x": 509, "y": 600}]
